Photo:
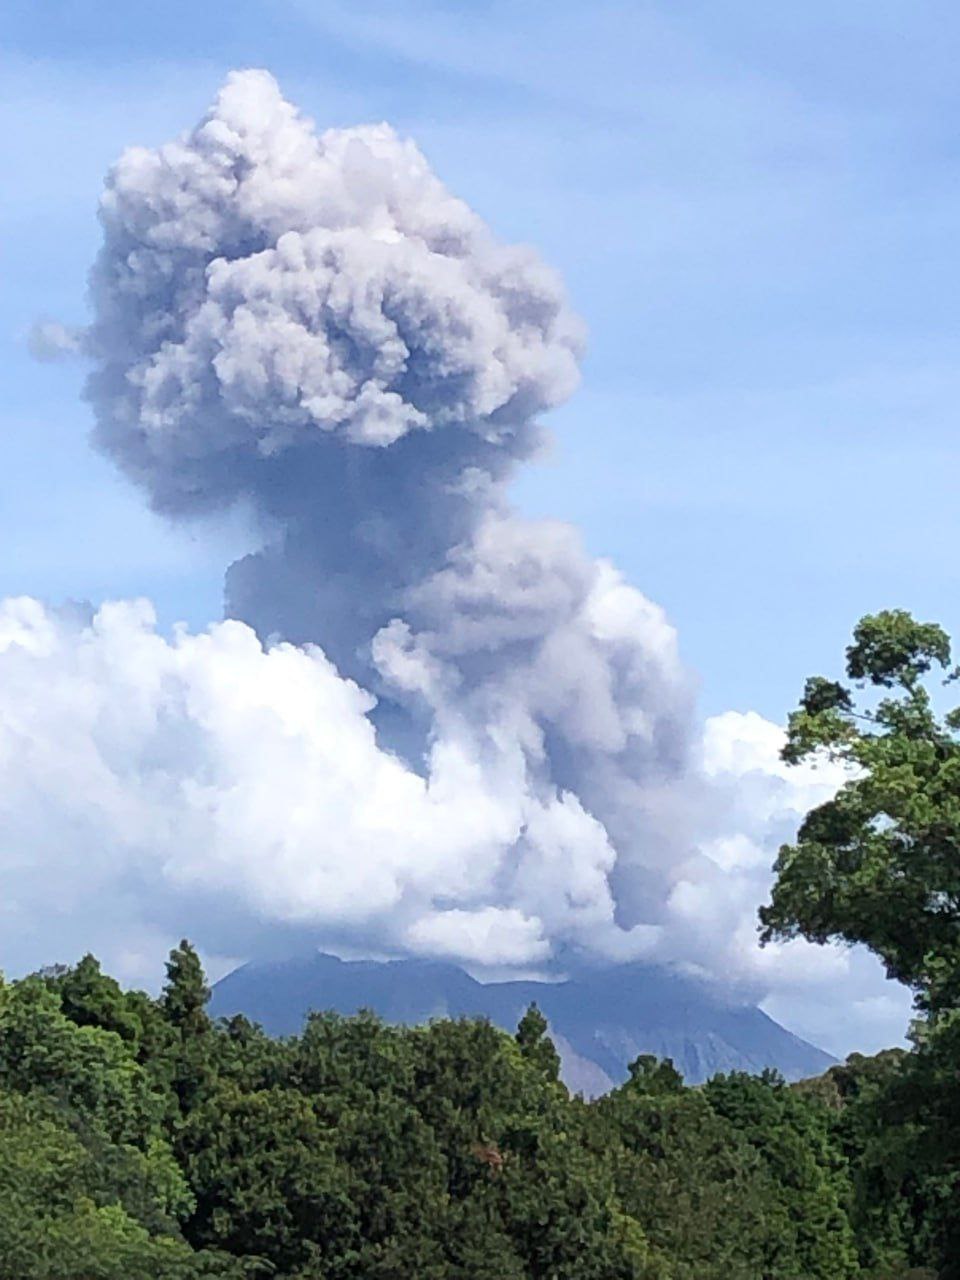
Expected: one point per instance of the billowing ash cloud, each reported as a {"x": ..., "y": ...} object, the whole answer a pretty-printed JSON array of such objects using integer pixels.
[
  {"x": 311, "y": 325},
  {"x": 262, "y": 288},
  {"x": 428, "y": 725}
]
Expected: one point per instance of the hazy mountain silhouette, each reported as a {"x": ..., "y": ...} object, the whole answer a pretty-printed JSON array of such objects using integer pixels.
[{"x": 599, "y": 1021}]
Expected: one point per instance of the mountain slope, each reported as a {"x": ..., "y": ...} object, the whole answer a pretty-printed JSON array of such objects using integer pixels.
[{"x": 600, "y": 1021}]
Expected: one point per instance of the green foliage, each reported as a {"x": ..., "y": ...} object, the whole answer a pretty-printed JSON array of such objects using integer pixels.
[
  {"x": 91, "y": 999},
  {"x": 265, "y": 1176},
  {"x": 880, "y": 863},
  {"x": 186, "y": 993},
  {"x": 87, "y": 1069},
  {"x": 183, "y": 1004},
  {"x": 65, "y": 1215},
  {"x": 684, "y": 1174},
  {"x": 536, "y": 1046},
  {"x": 811, "y": 1190},
  {"x": 140, "y": 1139},
  {"x": 653, "y": 1076}
]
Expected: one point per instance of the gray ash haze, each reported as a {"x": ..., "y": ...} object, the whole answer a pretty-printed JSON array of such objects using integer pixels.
[{"x": 428, "y": 725}]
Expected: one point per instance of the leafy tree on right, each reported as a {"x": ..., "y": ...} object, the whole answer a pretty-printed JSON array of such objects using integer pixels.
[{"x": 879, "y": 864}]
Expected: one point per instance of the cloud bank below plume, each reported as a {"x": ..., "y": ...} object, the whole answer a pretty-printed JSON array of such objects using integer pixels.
[
  {"x": 248, "y": 783},
  {"x": 428, "y": 725}
]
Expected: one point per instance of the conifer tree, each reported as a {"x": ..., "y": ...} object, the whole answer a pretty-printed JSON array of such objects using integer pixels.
[
  {"x": 183, "y": 1002},
  {"x": 536, "y": 1046},
  {"x": 186, "y": 994}
]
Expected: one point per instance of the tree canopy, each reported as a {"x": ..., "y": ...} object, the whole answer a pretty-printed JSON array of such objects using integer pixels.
[
  {"x": 879, "y": 864},
  {"x": 138, "y": 1137}
]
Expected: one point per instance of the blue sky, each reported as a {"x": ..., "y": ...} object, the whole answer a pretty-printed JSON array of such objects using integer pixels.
[{"x": 754, "y": 207}]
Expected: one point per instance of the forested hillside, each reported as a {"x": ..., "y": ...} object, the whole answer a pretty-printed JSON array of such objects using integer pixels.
[{"x": 138, "y": 1138}]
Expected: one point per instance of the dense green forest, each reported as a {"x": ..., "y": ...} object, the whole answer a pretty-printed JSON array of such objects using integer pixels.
[{"x": 138, "y": 1138}]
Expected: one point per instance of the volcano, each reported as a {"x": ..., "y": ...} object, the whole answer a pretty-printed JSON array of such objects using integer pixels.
[{"x": 599, "y": 1021}]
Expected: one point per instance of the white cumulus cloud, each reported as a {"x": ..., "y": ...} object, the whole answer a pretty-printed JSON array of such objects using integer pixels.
[{"x": 147, "y": 781}]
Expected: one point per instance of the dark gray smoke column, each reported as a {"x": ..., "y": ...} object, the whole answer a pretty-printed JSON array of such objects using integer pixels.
[{"x": 310, "y": 324}]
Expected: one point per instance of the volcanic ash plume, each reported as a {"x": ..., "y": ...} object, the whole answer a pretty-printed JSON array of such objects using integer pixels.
[{"x": 311, "y": 326}]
